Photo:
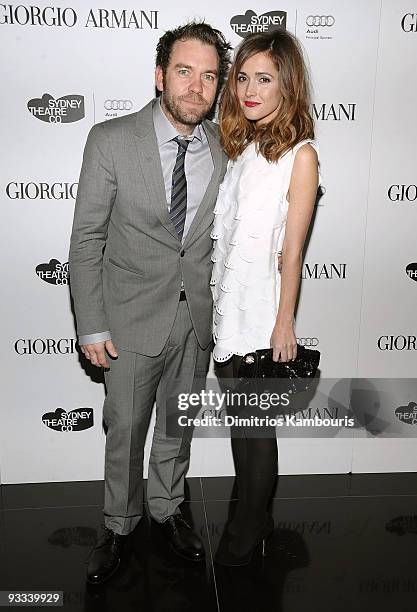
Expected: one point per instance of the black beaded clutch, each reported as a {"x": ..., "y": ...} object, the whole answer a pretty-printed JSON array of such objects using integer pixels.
[{"x": 297, "y": 375}]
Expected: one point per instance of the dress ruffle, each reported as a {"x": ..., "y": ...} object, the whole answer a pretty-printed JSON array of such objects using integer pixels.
[{"x": 248, "y": 231}]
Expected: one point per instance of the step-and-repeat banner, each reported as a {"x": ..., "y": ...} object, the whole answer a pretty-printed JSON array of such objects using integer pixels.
[{"x": 69, "y": 65}]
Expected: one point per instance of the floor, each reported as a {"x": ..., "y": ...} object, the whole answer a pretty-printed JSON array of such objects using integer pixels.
[{"x": 341, "y": 542}]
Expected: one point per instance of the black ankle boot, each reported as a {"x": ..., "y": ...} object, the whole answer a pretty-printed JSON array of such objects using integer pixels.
[{"x": 105, "y": 556}]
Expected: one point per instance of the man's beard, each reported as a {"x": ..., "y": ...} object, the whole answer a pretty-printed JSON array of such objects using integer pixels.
[{"x": 187, "y": 116}]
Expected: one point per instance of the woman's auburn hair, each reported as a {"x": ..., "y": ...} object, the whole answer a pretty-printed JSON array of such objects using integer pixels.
[{"x": 293, "y": 122}]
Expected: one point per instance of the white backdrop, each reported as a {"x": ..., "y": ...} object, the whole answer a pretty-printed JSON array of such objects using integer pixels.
[{"x": 358, "y": 294}]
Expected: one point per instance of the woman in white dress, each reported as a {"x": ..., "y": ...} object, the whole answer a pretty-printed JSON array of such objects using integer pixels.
[{"x": 264, "y": 207}]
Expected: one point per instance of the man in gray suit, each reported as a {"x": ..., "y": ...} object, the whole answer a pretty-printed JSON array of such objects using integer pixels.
[{"x": 140, "y": 270}]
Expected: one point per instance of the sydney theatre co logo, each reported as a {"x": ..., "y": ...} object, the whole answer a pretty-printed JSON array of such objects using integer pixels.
[
  {"x": 66, "y": 109},
  {"x": 411, "y": 270},
  {"x": 407, "y": 414},
  {"x": 54, "y": 272},
  {"x": 75, "y": 420},
  {"x": 242, "y": 25}
]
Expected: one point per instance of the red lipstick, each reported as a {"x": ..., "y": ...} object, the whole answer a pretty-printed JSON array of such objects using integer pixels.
[{"x": 251, "y": 104}]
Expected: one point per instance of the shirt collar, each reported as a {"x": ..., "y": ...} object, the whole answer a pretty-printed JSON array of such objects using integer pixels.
[{"x": 164, "y": 129}]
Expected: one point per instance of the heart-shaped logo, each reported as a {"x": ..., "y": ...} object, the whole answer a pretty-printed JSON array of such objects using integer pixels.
[
  {"x": 67, "y": 109},
  {"x": 250, "y": 22},
  {"x": 407, "y": 414},
  {"x": 75, "y": 420},
  {"x": 411, "y": 271},
  {"x": 54, "y": 272}
]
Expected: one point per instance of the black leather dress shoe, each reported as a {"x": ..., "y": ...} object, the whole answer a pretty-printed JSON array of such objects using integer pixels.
[
  {"x": 105, "y": 557},
  {"x": 181, "y": 537}
]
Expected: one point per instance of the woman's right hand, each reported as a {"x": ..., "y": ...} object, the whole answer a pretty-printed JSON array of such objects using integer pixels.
[{"x": 283, "y": 342}]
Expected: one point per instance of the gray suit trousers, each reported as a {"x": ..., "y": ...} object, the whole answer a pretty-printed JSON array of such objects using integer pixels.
[{"x": 134, "y": 382}]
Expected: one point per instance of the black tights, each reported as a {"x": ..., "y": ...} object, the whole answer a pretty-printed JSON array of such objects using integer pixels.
[{"x": 255, "y": 459}]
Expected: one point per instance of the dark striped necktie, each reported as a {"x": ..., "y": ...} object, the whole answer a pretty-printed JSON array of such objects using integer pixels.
[{"x": 178, "y": 208}]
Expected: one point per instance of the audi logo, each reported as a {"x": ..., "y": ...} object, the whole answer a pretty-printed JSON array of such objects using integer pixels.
[
  {"x": 118, "y": 105},
  {"x": 308, "y": 341},
  {"x": 320, "y": 20}
]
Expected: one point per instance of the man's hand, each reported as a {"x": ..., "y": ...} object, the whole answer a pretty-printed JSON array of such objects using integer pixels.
[{"x": 96, "y": 353}]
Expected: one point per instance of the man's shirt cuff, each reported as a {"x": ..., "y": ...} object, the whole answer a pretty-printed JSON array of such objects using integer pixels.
[{"x": 94, "y": 338}]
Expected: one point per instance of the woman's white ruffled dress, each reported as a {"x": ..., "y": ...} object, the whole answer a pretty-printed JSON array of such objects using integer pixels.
[{"x": 248, "y": 231}]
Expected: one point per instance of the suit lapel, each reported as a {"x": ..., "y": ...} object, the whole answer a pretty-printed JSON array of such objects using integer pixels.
[
  {"x": 150, "y": 162},
  {"x": 217, "y": 155}
]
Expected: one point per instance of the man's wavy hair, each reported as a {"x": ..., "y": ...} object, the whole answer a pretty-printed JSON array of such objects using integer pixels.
[
  {"x": 293, "y": 122},
  {"x": 195, "y": 31}
]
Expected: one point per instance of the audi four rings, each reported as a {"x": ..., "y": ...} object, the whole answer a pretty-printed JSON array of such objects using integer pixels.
[
  {"x": 320, "y": 20},
  {"x": 118, "y": 105},
  {"x": 308, "y": 341}
]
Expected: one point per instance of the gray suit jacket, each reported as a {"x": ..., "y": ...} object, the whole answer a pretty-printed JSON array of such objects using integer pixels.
[{"x": 126, "y": 260}]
